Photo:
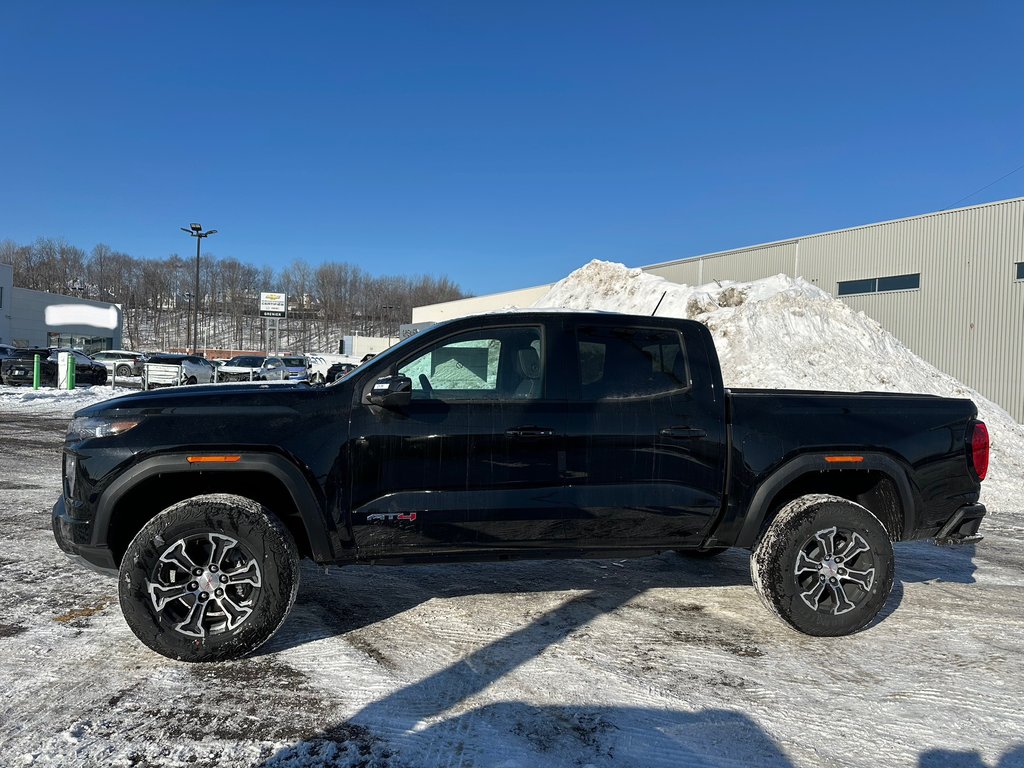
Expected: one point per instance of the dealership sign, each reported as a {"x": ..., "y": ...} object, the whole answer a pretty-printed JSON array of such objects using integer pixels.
[{"x": 273, "y": 305}]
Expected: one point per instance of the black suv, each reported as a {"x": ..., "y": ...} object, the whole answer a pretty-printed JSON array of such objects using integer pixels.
[{"x": 17, "y": 370}]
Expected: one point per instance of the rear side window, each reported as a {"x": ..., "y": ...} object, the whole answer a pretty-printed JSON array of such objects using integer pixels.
[{"x": 630, "y": 362}]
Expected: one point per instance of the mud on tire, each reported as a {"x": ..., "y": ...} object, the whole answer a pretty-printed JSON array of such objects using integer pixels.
[
  {"x": 209, "y": 578},
  {"x": 825, "y": 566}
]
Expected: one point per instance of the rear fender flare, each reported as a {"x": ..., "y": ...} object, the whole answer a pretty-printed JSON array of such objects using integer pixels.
[{"x": 814, "y": 463}]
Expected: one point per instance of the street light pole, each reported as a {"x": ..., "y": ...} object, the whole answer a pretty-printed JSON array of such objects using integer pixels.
[
  {"x": 196, "y": 231},
  {"x": 188, "y": 297}
]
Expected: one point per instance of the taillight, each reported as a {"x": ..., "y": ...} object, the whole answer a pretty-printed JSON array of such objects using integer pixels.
[{"x": 979, "y": 449}]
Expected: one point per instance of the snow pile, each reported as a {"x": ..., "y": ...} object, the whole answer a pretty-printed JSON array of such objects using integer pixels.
[
  {"x": 54, "y": 402},
  {"x": 785, "y": 333}
]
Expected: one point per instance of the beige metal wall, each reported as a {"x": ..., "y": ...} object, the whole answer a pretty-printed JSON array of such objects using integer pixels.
[
  {"x": 449, "y": 310},
  {"x": 762, "y": 260},
  {"x": 967, "y": 318}
]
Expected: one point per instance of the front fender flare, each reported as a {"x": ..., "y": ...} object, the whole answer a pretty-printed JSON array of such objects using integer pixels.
[{"x": 322, "y": 535}]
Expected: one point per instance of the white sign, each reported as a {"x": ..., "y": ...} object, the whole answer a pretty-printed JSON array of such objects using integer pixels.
[
  {"x": 273, "y": 305},
  {"x": 81, "y": 314}
]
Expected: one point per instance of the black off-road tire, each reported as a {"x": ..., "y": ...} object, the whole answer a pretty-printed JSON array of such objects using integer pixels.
[
  {"x": 825, "y": 566},
  {"x": 209, "y": 578},
  {"x": 191, "y": 380}
]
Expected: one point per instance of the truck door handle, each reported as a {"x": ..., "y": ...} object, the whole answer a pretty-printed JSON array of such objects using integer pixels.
[
  {"x": 683, "y": 433},
  {"x": 529, "y": 432}
]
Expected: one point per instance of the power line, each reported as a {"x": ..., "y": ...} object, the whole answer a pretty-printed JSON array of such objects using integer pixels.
[{"x": 1018, "y": 168}]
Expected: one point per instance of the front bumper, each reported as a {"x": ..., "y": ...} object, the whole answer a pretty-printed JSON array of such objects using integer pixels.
[
  {"x": 72, "y": 536},
  {"x": 962, "y": 527}
]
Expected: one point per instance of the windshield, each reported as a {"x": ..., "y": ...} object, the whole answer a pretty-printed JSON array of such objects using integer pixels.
[{"x": 244, "y": 361}]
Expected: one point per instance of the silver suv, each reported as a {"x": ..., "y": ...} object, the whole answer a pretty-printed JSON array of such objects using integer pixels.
[{"x": 120, "y": 361}]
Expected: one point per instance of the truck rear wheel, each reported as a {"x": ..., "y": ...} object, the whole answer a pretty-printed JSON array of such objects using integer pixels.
[
  {"x": 825, "y": 566},
  {"x": 209, "y": 578}
]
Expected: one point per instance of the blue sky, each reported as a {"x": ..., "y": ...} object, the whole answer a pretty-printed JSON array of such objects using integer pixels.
[{"x": 500, "y": 144}]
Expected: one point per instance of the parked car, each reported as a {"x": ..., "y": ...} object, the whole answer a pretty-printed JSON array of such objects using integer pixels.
[
  {"x": 253, "y": 368},
  {"x": 296, "y": 368},
  {"x": 192, "y": 369},
  {"x": 120, "y": 361},
  {"x": 504, "y": 436},
  {"x": 338, "y": 370},
  {"x": 17, "y": 370},
  {"x": 6, "y": 350}
]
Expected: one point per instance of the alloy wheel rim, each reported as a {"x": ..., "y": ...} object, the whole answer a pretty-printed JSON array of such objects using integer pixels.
[
  {"x": 835, "y": 570},
  {"x": 203, "y": 585}
]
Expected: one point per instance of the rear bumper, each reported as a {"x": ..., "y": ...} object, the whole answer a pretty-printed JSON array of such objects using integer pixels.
[
  {"x": 962, "y": 527},
  {"x": 71, "y": 535}
]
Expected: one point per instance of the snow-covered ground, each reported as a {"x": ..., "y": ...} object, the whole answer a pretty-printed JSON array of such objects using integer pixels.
[{"x": 661, "y": 661}]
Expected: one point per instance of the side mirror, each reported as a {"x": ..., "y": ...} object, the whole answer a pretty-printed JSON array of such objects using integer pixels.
[{"x": 391, "y": 391}]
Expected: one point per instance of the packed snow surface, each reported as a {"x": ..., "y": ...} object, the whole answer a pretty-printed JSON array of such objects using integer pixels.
[{"x": 655, "y": 662}]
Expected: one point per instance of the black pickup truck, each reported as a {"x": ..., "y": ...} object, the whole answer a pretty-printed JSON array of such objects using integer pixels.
[{"x": 513, "y": 435}]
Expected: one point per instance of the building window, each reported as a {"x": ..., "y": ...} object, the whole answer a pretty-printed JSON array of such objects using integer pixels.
[
  {"x": 1020, "y": 274},
  {"x": 882, "y": 284}
]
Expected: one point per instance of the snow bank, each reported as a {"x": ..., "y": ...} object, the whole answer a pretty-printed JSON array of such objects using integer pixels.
[
  {"x": 54, "y": 402},
  {"x": 785, "y": 333}
]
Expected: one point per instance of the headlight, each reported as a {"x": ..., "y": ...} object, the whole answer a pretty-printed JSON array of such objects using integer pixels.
[{"x": 88, "y": 427}]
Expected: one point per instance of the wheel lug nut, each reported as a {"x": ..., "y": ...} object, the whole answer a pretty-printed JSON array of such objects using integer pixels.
[
  {"x": 833, "y": 580},
  {"x": 193, "y": 586},
  {"x": 213, "y": 569},
  {"x": 842, "y": 571},
  {"x": 197, "y": 571},
  {"x": 822, "y": 577},
  {"x": 204, "y": 595},
  {"x": 219, "y": 593},
  {"x": 223, "y": 579}
]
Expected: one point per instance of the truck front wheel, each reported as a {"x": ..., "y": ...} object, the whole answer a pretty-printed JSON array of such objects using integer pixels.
[
  {"x": 824, "y": 566},
  {"x": 209, "y": 578}
]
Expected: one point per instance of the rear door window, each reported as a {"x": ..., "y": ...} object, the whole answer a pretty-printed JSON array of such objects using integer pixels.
[{"x": 616, "y": 363}]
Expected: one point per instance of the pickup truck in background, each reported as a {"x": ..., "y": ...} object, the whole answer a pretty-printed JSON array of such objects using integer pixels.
[{"x": 503, "y": 436}]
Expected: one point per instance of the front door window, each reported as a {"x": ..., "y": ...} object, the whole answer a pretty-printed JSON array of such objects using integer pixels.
[{"x": 497, "y": 364}]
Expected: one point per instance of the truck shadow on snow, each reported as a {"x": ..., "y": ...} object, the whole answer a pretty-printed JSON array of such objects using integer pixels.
[
  {"x": 920, "y": 561},
  {"x": 433, "y": 721},
  {"x": 337, "y": 601}
]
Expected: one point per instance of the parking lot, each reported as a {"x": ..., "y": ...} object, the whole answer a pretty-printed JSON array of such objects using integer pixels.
[{"x": 658, "y": 661}]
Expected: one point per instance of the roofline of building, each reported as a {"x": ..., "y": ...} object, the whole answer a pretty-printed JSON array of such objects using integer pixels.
[
  {"x": 73, "y": 299},
  {"x": 789, "y": 240}
]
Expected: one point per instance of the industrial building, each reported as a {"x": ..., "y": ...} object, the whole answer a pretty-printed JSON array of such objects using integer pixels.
[
  {"x": 39, "y": 319},
  {"x": 950, "y": 285}
]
